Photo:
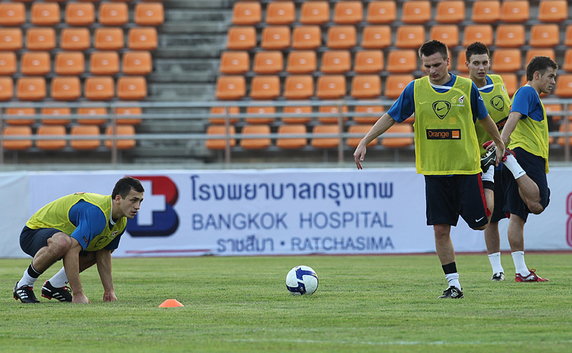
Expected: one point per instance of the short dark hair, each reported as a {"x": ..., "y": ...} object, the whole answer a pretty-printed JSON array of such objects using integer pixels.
[
  {"x": 433, "y": 46},
  {"x": 539, "y": 63},
  {"x": 124, "y": 185},
  {"x": 476, "y": 48}
]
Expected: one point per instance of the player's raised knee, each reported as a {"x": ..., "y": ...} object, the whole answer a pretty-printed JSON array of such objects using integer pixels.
[{"x": 60, "y": 243}]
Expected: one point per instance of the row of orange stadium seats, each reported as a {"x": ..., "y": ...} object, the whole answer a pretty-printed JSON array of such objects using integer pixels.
[
  {"x": 35, "y": 63},
  {"x": 67, "y": 88},
  {"x": 104, "y": 38},
  {"x": 352, "y": 12},
  {"x": 81, "y": 14},
  {"x": 295, "y": 142},
  {"x": 84, "y": 115},
  {"x": 125, "y": 134},
  {"x": 380, "y": 36}
]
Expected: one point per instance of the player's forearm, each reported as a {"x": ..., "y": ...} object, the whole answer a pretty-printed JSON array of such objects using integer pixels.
[
  {"x": 509, "y": 126},
  {"x": 71, "y": 265},
  {"x": 491, "y": 128},
  {"x": 103, "y": 259},
  {"x": 380, "y": 126}
]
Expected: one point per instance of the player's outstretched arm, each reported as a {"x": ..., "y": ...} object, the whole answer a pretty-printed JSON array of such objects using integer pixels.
[
  {"x": 103, "y": 260},
  {"x": 380, "y": 126},
  {"x": 71, "y": 265}
]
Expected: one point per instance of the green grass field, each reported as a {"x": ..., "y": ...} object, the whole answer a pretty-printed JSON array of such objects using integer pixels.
[{"x": 240, "y": 304}]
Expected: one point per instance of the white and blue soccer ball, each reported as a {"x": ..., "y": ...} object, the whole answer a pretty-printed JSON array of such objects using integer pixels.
[{"x": 302, "y": 280}]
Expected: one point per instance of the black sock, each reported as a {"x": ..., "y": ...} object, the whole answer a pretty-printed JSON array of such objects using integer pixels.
[
  {"x": 450, "y": 268},
  {"x": 33, "y": 272}
]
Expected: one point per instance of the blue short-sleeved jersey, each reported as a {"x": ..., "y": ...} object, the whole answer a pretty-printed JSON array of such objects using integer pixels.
[
  {"x": 527, "y": 102},
  {"x": 89, "y": 221}
]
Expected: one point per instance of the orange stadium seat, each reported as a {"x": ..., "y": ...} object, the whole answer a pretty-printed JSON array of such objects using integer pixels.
[
  {"x": 40, "y": 38},
  {"x": 280, "y": 13},
  {"x": 230, "y": 87},
  {"x": 149, "y": 14},
  {"x": 367, "y": 109},
  {"x": 336, "y": 112},
  {"x": 298, "y": 87},
  {"x": 127, "y": 134},
  {"x": 348, "y": 12},
  {"x": 268, "y": 62},
  {"x": 567, "y": 65},
  {"x": 99, "y": 88},
  {"x": 552, "y": 11},
  {"x": 331, "y": 86},
  {"x": 275, "y": 37},
  {"x": 256, "y": 110},
  {"x": 376, "y": 37},
  {"x": 301, "y": 61},
  {"x": 299, "y": 110},
  {"x": 564, "y": 86},
  {"x": 306, "y": 37},
  {"x": 416, "y": 11},
  {"x": 69, "y": 63},
  {"x": 381, "y": 12},
  {"x": 109, "y": 38},
  {"x": 45, "y": 14},
  {"x": 486, "y": 11},
  {"x": 6, "y": 88},
  {"x": 65, "y": 88},
  {"x": 448, "y": 34},
  {"x": 461, "y": 58},
  {"x": 85, "y": 112},
  {"x": 335, "y": 61},
  {"x": 565, "y": 128},
  {"x": 510, "y": 36},
  {"x": 361, "y": 130},
  {"x": 395, "y": 84},
  {"x": 549, "y": 52},
  {"x": 241, "y": 38},
  {"x": 56, "y": 112},
  {"x": 342, "y": 37},
  {"x": 291, "y": 142},
  {"x": 131, "y": 88},
  {"x": 142, "y": 38},
  {"x": 219, "y": 143},
  {"x": 397, "y": 142},
  {"x": 31, "y": 88},
  {"x": 35, "y": 63},
  {"x": 478, "y": 33},
  {"x": 128, "y": 115},
  {"x": 325, "y": 142},
  {"x": 250, "y": 143},
  {"x": 225, "y": 113},
  {"x": 137, "y": 62},
  {"x": 246, "y": 13},
  {"x": 104, "y": 63},
  {"x": 85, "y": 131},
  {"x": 368, "y": 61},
  {"x": 544, "y": 35},
  {"x": 12, "y": 14},
  {"x": 11, "y": 112},
  {"x": 75, "y": 39},
  {"x": 7, "y": 63},
  {"x": 51, "y": 131},
  {"x": 507, "y": 60},
  {"x": 17, "y": 145},
  {"x": 113, "y": 14},
  {"x": 568, "y": 36},
  {"x": 234, "y": 62},
  {"x": 79, "y": 14},
  {"x": 10, "y": 38},
  {"x": 410, "y": 36},
  {"x": 510, "y": 82},
  {"x": 265, "y": 87},
  {"x": 514, "y": 11},
  {"x": 366, "y": 86},
  {"x": 450, "y": 11},
  {"x": 402, "y": 60},
  {"x": 315, "y": 12}
]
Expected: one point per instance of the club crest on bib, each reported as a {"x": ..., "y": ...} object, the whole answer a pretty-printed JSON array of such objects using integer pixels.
[
  {"x": 497, "y": 102},
  {"x": 441, "y": 108}
]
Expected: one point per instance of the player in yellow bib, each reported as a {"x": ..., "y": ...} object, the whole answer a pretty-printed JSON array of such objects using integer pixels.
[
  {"x": 83, "y": 229},
  {"x": 446, "y": 107}
]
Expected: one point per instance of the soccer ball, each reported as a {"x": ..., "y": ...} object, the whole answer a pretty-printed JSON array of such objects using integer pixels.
[{"x": 301, "y": 280}]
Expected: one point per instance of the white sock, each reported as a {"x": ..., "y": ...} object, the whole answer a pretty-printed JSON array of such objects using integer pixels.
[
  {"x": 26, "y": 280},
  {"x": 59, "y": 279},
  {"x": 453, "y": 279},
  {"x": 512, "y": 164},
  {"x": 519, "y": 264},
  {"x": 489, "y": 175},
  {"x": 495, "y": 261}
]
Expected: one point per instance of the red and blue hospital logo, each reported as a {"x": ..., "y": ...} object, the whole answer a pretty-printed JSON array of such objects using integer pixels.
[{"x": 157, "y": 216}]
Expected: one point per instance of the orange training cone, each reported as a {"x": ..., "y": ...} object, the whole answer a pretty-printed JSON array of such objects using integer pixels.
[{"x": 170, "y": 303}]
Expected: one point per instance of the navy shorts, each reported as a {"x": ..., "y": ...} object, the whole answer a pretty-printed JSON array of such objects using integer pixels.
[
  {"x": 448, "y": 197},
  {"x": 534, "y": 166},
  {"x": 32, "y": 240}
]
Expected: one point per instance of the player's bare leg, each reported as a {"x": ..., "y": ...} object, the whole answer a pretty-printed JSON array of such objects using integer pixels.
[{"x": 446, "y": 253}]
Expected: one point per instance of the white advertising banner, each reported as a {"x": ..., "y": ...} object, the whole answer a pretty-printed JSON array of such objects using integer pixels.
[{"x": 280, "y": 212}]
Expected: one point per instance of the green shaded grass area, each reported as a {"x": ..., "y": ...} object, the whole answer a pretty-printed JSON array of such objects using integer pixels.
[{"x": 240, "y": 304}]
